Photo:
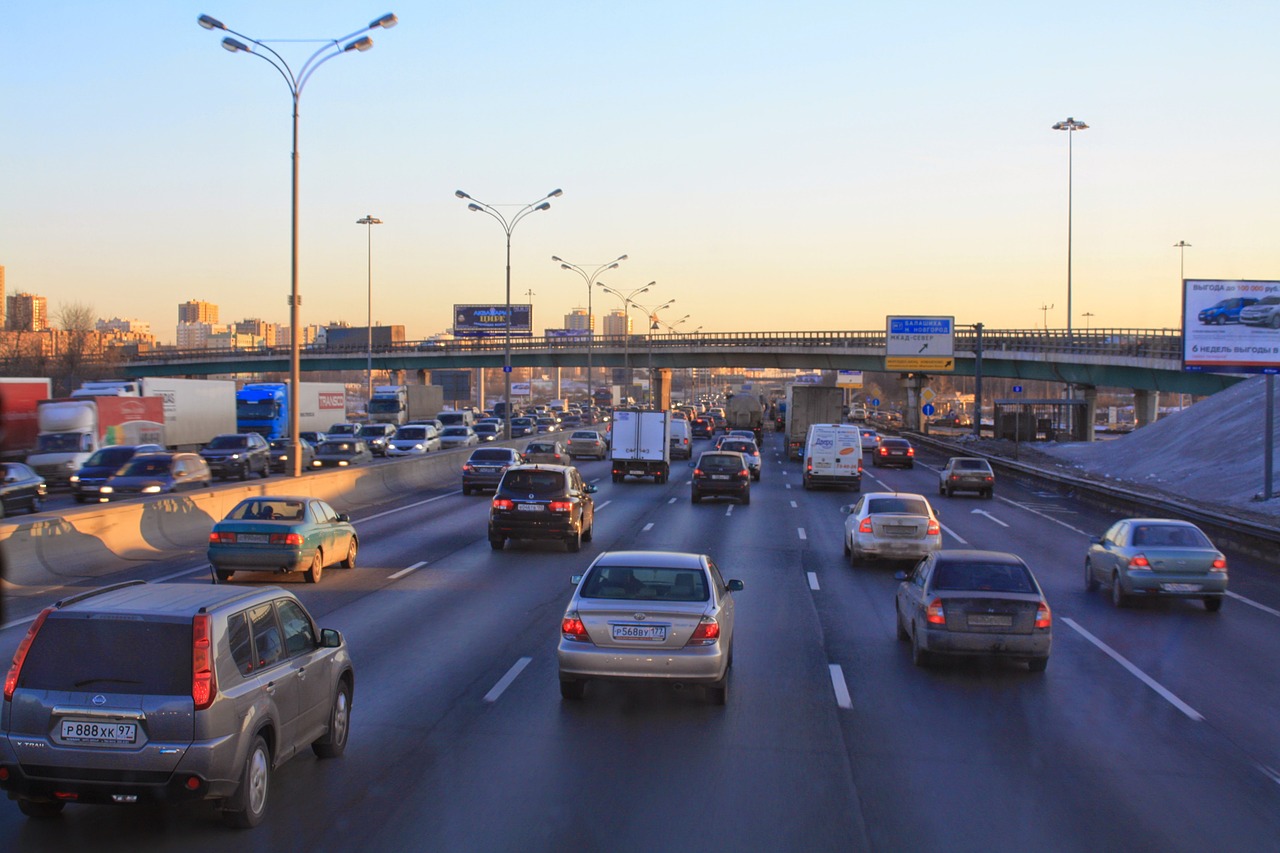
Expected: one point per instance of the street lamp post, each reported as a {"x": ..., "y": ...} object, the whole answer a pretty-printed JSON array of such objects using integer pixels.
[
  {"x": 296, "y": 82},
  {"x": 1070, "y": 126},
  {"x": 508, "y": 225},
  {"x": 626, "y": 325},
  {"x": 591, "y": 280},
  {"x": 369, "y": 221},
  {"x": 1182, "y": 246}
]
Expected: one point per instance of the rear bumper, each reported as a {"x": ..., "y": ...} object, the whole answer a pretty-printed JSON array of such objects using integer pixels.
[
  {"x": 224, "y": 558},
  {"x": 1174, "y": 585},
  {"x": 865, "y": 545},
  {"x": 690, "y": 665},
  {"x": 1034, "y": 645},
  {"x": 545, "y": 528}
]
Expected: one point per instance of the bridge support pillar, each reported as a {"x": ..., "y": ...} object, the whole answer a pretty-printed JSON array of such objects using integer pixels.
[
  {"x": 1146, "y": 406},
  {"x": 395, "y": 377},
  {"x": 914, "y": 384},
  {"x": 480, "y": 388},
  {"x": 661, "y": 389},
  {"x": 555, "y": 392},
  {"x": 423, "y": 376},
  {"x": 1089, "y": 394}
]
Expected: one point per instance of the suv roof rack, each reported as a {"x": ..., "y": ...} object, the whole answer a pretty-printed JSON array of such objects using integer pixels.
[{"x": 91, "y": 593}]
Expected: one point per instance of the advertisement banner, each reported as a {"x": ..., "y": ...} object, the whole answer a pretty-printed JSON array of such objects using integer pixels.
[
  {"x": 1230, "y": 326},
  {"x": 487, "y": 321}
]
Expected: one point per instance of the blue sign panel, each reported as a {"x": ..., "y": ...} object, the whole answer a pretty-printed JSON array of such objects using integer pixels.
[
  {"x": 875, "y": 402},
  {"x": 484, "y": 321},
  {"x": 1017, "y": 389},
  {"x": 928, "y": 409},
  {"x": 920, "y": 326}
]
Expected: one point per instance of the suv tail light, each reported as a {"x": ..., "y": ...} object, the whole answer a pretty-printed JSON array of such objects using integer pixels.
[
  {"x": 744, "y": 474},
  {"x": 933, "y": 614},
  {"x": 503, "y": 504},
  {"x": 697, "y": 472},
  {"x": 571, "y": 628},
  {"x": 911, "y": 451},
  {"x": 11, "y": 680},
  {"x": 706, "y": 634},
  {"x": 561, "y": 506},
  {"x": 1043, "y": 617},
  {"x": 204, "y": 686}
]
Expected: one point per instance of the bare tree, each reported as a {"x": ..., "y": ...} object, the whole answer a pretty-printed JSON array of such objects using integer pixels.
[{"x": 81, "y": 348}]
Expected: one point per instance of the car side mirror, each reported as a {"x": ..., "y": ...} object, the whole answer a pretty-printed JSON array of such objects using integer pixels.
[
  {"x": 733, "y": 586},
  {"x": 575, "y": 579},
  {"x": 1095, "y": 540},
  {"x": 846, "y": 509},
  {"x": 900, "y": 575},
  {"x": 691, "y": 464},
  {"x": 330, "y": 638},
  {"x": 590, "y": 489},
  {"x": 342, "y": 516}
]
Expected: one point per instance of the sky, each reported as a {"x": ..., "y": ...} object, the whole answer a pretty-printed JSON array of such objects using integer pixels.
[{"x": 801, "y": 166}]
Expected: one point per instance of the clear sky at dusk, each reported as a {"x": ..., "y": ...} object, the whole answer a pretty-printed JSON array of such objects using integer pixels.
[{"x": 810, "y": 165}]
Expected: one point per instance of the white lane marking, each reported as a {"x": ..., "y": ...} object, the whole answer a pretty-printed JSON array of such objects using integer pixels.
[
  {"x": 410, "y": 506},
  {"x": 843, "y": 699},
  {"x": 954, "y": 535},
  {"x": 191, "y": 571},
  {"x": 794, "y": 505},
  {"x": 729, "y": 511},
  {"x": 1137, "y": 673},
  {"x": 673, "y": 500},
  {"x": 1238, "y": 597},
  {"x": 603, "y": 505},
  {"x": 800, "y": 530},
  {"x": 596, "y": 480},
  {"x": 788, "y": 485},
  {"x": 1269, "y": 773},
  {"x": 1043, "y": 515},
  {"x": 813, "y": 580},
  {"x": 505, "y": 682},
  {"x": 403, "y": 572},
  {"x": 647, "y": 527},
  {"x": 988, "y": 515}
]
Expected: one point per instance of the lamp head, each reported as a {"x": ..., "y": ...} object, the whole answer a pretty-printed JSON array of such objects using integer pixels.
[
  {"x": 210, "y": 23},
  {"x": 558, "y": 260},
  {"x": 460, "y": 194},
  {"x": 555, "y": 193},
  {"x": 473, "y": 207},
  {"x": 546, "y": 205},
  {"x": 622, "y": 257},
  {"x": 232, "y": 45},
  {"x": 361, "y": 44},
  {"x": 387, "y": 21}
]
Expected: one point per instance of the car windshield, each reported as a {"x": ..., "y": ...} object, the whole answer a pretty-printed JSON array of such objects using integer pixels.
[
  {"x": 342, "y": 429},
  {"x": 410, "y": 434},
  {"x": 909, "y": 506},
  {"x": 982, "y": 577},
  {"x": 266, "y": 510},
  {"x": 971, "y": 465},
  {"x": 585, "y": 436},
  {"x": 454, "y": 430},
  {"x": 146, "y": 466},
  {"x": 486, "y": 427},
  {"x": 748, "y": 447},
  {"x": 534, "y": 482},
  {"x": 226, "y": 442},
  {"x": 645, "y": 584},
  {"x": 495, "y": 454},
  {"x": 1170, "y": 536}
]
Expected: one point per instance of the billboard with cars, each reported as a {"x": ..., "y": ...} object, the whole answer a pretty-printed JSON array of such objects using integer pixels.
[
  {"x": 1230, "y": 326},
  {"x": 483, "y": 321}
]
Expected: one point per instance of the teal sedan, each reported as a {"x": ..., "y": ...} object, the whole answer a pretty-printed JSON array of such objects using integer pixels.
[
  {"x": 277, "y": 533},
  {"x": 1157, "y": 557}
]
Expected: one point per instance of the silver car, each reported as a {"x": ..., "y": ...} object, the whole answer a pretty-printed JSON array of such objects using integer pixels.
[
  {"x": 413, "y": 440},
  {"x": 652, "y": 616},
  {"x": 141, "y": 692},
  {"x": 1157, "y": 557},
  {"x": 891, "y": 525}
]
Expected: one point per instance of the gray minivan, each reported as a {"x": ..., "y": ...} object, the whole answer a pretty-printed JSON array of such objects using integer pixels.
[{"x": 141, "y": 692}]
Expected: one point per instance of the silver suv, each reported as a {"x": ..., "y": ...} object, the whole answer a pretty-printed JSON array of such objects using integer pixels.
[{"x": 139, "y": 692}]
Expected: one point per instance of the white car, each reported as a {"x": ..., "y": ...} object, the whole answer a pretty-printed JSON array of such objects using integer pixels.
[
  {"x": 413, "y": 440},
  {"x": 891, "y": 526},
  {"x": 458, "y": 436}
]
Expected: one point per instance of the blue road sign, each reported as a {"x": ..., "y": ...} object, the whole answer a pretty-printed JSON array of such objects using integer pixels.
[
  {"x": 506, "y": 368},
  {"x": 1017, "y": 389},
  {"x": 928, "y": 409},
  {"x": 875, "y": 402}
]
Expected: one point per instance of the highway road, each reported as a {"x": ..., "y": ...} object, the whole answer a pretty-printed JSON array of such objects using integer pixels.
[{"x": 1154, "y": 728}]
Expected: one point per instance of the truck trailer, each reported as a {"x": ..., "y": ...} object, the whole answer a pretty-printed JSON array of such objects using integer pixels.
[
  {"x": 195, "y": 410},
  {"x": 18, "y": 426},
  {"x": 263, "y": 407},
  {"x": 640, "y": 445},
  {"x": 399, "y": 404},
  {"x": 72, "y": 429},
  {"x": 810, "y": 404}
]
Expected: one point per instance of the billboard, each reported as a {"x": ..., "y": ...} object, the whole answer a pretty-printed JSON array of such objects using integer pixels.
[
  {"x": 1230, "y": 326},
  {"x": 486, "y": 321},
  {"x": 925, "y": 344}
]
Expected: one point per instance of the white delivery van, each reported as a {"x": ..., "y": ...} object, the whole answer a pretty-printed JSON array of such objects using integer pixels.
[
  {"x": 681, "y": 439},
  {"x": 833, "y": 456}
]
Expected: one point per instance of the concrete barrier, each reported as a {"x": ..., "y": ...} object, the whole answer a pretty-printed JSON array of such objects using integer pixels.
[{"x": 84, "y": 544}]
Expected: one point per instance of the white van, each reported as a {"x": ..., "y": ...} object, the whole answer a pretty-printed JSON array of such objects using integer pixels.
[
  {"x": 833, "y": 456},
  {"x": 460, "y": 417},
  {"x": 681, "y": 438}
]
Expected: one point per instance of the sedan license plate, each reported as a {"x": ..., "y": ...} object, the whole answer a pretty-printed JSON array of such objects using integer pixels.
[
  {"x": 1181, "y": 587},
  {"x": 86, "y": 731},
  {"x": 990, "y": 620},
  {"x": 639, "y": 632},
  {"x": 529, "y": 507},
  {"x": 253, "y": 538}
]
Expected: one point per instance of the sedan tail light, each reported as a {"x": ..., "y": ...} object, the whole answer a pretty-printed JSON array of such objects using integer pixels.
[
  {"x": 571, "y": 628},
  {"x": 884, "y": 451},
  {"x": 865, "y": 526},
  {"x": 286, "y": 539},
  {"x": 1140, "y": 561},
  {"x": 219, "y": 537},
  {"x": 933, "y": 613},
  {"x": 911, "y": 451},
  {"x": 1219, "y": 565},
  {"x": 697, "y": 472},
  {"x": 934, "y": 528},
  {"x": 11, "y": 680},
  {"x": 1043, "y": 617},
  {"x": 467, "y": 468},
  {"x": 706, "y": 634}
]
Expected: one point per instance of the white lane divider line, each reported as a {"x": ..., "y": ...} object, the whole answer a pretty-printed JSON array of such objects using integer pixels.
[
  {"x": 729, "y": 511},
  {"x": 505, "y": 681},
  {"x": 409, "y": 506},
  {"x": 1249, "y": 601},
  {"x": 843, "y": 699},
  {"x": 813, "y": 581},
  {"x": 988, "y": 515},
  {"x": 603, "y": 505},
  {"x": 954, "y": 535},
  {"x": 673, "y": 500},
  {"x": 191, "y": 571},
  {"x": 794, "y": 505},
  {"x": 403, "y": 572},
  {"x": 647, "y": 527},
  {"x": 803, "y": 535},
  {"x": 788, "y": 485},
  {"x": 1269, "y": 773},
  {"x": 1043, "y": 515},
  {"x": 1137, "y": 673}
]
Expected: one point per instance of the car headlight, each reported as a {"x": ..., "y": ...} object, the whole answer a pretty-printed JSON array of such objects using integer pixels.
[
  {"x": 106, "y": 490},
  {"x": 235, "y": 455},
  {"x": 75, "y": 478},
  {"x": 283, "y": 458},
  {"x": 418, "y": 447},
  {"x": 342, "y": 462},
  {"x": 151, "y": 490}
]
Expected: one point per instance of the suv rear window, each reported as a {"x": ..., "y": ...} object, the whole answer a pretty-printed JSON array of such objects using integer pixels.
[
  {"x": 534, "y": 482},
  {"x": 496, "y": 454},
  {"x": 720, "y": 462},
  {"x": 77, "y": 652}
]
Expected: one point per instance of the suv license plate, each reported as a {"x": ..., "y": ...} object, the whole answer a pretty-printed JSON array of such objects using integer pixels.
[
  {"x": 639, "y": 632},
  {"x": 529, "y": 507},
  {"x": 86, "y": 731}
]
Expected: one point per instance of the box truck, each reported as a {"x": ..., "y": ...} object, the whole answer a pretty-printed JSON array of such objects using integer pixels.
[
  {"x": 810, "y": 404},
  {"x": 195, "y": 410},
  {"x": 640, "y": 445},
  {"x": 72, "y": 429},
  {"x": 399, "y": 404},
  {"x": 263, "y": 407},
  {"x": 18, "y": 426}
]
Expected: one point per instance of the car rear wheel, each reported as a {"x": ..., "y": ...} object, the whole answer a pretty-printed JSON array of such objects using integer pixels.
[
  {"x": 335, "y": 740},
  {"x": 695, "y": 497},
  {"x": 497, "y": 544},
  {"x": 352, "y": 550},
  {"x": 1038, "y": 664},
  {"x": 746, "y": 497},
  {"x": 246, "y": 808},
  {"x": 718, "y": 693},
  {"x": 316, "y": 569},
  {"x": 1090, "y": 582},
  {"x": 572, "y": 689},
  {"x": 41, "y": 811},
  {"x": 589, "y": 532},
  {"x": 920, "y": 657},
  {"x": 573, "y": 544},
  {"x": 1118, "y": 598},
  {"x": 1213, "y": 605},
  {"x": 902, "y": 632},
  {"x": 223, "y": 575}
]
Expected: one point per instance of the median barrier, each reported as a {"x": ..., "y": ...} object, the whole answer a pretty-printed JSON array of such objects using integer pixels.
[{"x": 82, "y": 545}]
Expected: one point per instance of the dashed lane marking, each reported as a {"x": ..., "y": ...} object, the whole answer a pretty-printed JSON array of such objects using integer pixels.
[
  {"x": 1164, "y": 693},
  {"x": 505, "y": 681},
  {"x": 813, "y": 581},
  {"x": 803, "y": 535},
  {"x": 404, "y": 572},
  {"x": 647, "y": 527},
  {"x": 843, "y": 699}
]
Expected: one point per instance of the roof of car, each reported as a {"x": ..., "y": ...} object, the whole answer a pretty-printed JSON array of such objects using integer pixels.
[
  {"x": 661, "y": 559},
  {"x": 961, "y": 555},
  {"x": 165, "y": 598}
]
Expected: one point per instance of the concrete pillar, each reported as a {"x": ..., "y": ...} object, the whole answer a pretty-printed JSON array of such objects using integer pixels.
[
  {"x": 661, "y": 389},
  {"x": 1090, "y": 396},
  {"x": 911, "y": 419},
  {"x": 1146, "y": 405},
  {"x": 555, "y": 393},
  {"x": 423, "y": 376},
  {"x": 480, "y": 388}
]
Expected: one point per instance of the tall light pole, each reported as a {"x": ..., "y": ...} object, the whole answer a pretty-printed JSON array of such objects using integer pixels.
[
  {"x": 1182, "y": 246},
  {"x": 508, "y": 225},
  {"x": 653, "y": 324},
  {"x": 1070, "y": 126},
  {"x": 1045, "y": 309},
  {"x": 626, "y": 307},
  {"x": 296, "y": 82},
  {"x": 590, "y": 278},
  {"x": 369, "y": 221}
]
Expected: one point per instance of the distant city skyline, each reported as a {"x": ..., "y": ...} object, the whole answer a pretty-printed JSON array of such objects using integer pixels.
[{"x": 814, "y": 167}]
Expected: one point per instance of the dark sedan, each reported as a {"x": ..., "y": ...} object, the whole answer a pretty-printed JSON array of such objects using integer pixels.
[
  {"x": 21, "y": 488},
  {"x": 101, "y": 465},
  {"x": 895, "y": 452},
  {"x": 341, "y": 453},
  {"x": 280, "y": 454},
  {"x": 157, "y": 473}
]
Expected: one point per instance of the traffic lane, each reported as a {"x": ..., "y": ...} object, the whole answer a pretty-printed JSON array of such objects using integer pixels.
[{"x": 998, "y": 752}]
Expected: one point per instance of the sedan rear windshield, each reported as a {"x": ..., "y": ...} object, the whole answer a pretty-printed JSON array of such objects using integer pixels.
[
  {"x": 495, "y": 454},
  {"x": 540, "y": 448},
  {"x": 646, "y": 584},
  {"x": 901, "y": 505},
  {"x": 266, "y": 510},
  {"x": 585, "y": 436},
  {"x": 972, "y": 465},
  {"x": 982, "y": 577},
  {"x": 720, "y": 463},
  {"x": 79, "y": 653},
  {"x": 748, "y": 447},
  {"x": 1170, "y": 536}
]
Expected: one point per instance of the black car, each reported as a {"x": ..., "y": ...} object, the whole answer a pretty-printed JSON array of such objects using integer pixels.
[
  {"x": 101, "y": 465},
  {"x": 894, "y": 451},
  {"x": 486, "y": 466},
  {"x": 721, "y": 473},
  {"x": 542, "y": 502},
  {"x": 703, "y": 426},
  {"x": 20, "y": 488},
  {"x": 377, "y": 436},
  {"x": 238, "y": 455}
]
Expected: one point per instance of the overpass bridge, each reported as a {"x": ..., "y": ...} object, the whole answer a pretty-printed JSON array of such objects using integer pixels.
[{"x": 1144, "y": 360}]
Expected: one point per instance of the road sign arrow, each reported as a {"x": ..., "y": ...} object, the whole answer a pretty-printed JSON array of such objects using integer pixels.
[{"x": 990, "y": 516}]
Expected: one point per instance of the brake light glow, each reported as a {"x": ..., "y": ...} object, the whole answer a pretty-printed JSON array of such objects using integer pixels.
[
  {"x": 216, "y": 537},
  {"x": 561, "y": 506},
  {"x": 1043, "y": 617},
  {"x": 911, "y": 451},
  {"x": 467, "y": 467},
  {"x": 503, "y": 503},
  {"x": 697, "y": 472},
  {"x": 286, "y": 538},
  {"x": 1139, "y": 561},
  {"x": 1219, "y": 565},
  {"x": 706, "y": 634},
  {"x": 204, "y": 686},
  {"x": 571, "y": 628},
  {"x": 865, "y": 526},
  {"x": 933, "y": 614},
  {"x": 11, "y": 680},
  {"x": 934, "y": 528},
  {"x": 884, "y": 451}
]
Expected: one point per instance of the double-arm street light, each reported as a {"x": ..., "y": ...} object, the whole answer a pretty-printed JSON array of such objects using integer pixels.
[
  {"x": 627, "y": 302},
  {"x": 328, "y": 50},
  {"x": 369, "y": 221},
  {"x": 508, "y": 225},
  {"x": 1070, "y": 126},
  {"x": 590, "y": 278}
]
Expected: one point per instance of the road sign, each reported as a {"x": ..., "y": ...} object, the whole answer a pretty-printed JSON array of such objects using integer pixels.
[
  {"x": 876, "y": 402},
  {"x": 928, "y": 409},
  {"x": 927, "y": 395},
  {"x": 924, "y": 344},
  {"x": 849, "y": 379},
  {"x": 506, "y": 368},
  {"x": 1017, "y": 389}
]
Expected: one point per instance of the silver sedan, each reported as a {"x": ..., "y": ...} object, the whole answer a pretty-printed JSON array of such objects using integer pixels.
[
  {"x": 652, "y": 616},
  {"x": 891, "y": 525},
  {"x": 1157, "y": 557}
]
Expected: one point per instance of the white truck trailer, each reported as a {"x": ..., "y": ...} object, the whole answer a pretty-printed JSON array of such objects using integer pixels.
[{"x": 640, "y": 445}]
